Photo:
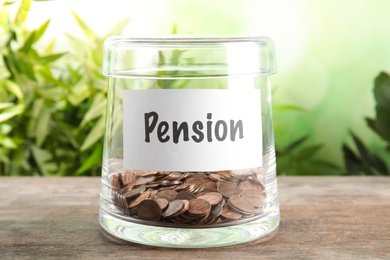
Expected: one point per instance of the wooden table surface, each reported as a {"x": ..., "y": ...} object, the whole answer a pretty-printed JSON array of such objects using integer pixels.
[{"x": 322, "y": 218}]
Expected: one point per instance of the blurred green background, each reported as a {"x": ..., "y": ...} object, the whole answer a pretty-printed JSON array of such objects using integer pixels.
[{"x": 328, "y": 53}]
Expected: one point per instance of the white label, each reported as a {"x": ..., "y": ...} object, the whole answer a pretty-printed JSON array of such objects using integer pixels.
[{"x": 192, "y": 129}]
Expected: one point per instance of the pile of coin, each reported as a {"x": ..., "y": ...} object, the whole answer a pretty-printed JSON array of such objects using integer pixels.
[{"x": 194, "y": 198}]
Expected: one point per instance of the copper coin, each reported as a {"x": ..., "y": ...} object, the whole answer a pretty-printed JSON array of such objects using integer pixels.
[
  {"x": 251, "y": 184},
  {"x": 163, "y": 203},
  {"x": 174, "y": 176},
  {"x": 128, "y": 178},
  {"x": 230, "y": 214},
  {"x": 181, "y": 187},
  {"x": 143, "y": 180},
  {"x": 153, "y": 194},
  {"x": 195, "y": 189},
  {"x": 228, "y": 188},
  {"x": 212, "y": 197},
  {"x": 215, "y": 211},
  {"x": 210, "y": 186},
  {"x": 186, "y": 205},
  {"x": 196, "y": 182},
  {"x": 185, "y": 195},
  {"x": 198, "y": 175},
  {"x": 167, "y": 194},
  {"x": 224, "y": 173},
  {"x": 201, "y": 193},
  {"x": 161, "y": 188},
  {"x": 143, "y": 173},
  {"x": 173, "y": 208},
  {"x": 169, "y": 183},
  {"x": 162, "y": 174},
  {"x": 139, "y": 172},
  {"x": 123, "y": 204},
  {"x": 140, "y": 198},
  {"x": 149, "y": 210},
  {"x": 241, "y": 204},
  {"x": 231, "y": 179},
  {"x": 254, "y": 196},
  {"x": 202, "y": 220},
  {"x": 130, "y": 194},
  {"x": 151, "y": 185},
  {"x": 120, "y": 176},
  {"x": 122, "y": 201},
  {"x": 199, "y": 207},
  {"x": 214, "y": 176},
  {"x": 115, "y": 183}
]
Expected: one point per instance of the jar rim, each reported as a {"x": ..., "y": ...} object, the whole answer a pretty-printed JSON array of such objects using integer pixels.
[{"x": 223, "y": 56}]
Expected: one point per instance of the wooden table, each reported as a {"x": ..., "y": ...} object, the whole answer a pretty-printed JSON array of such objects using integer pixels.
[{"x": 322, "y": 218}]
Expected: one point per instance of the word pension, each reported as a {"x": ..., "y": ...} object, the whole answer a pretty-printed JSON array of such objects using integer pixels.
[{"x": 200, "y": 131}]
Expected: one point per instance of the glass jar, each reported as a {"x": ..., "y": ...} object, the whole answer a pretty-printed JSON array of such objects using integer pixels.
[{"x": 189, "y": 157}]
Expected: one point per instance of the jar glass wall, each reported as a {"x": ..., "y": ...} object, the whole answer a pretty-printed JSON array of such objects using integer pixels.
[{"x": 189, "y": 158}]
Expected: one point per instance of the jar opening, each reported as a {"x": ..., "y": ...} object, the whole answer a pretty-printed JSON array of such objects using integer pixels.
[{"x": 172, "y": 58}]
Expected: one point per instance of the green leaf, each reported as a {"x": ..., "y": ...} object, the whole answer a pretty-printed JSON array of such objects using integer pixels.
[
  {"x": 382, "y": 90},
  {"x": 307, "y": 153},
  {"x": 383, "y": 122},
  {"x": 11, "y": 112},
  {"x": 181, "y": 84},
  {"x": 379, "y": 165},
  {"x": 34, "y": 111},
  {"x": 96, "y": 57},
  {"x": 372, "y": 124},
  {"x": 50, "y": 58},
  {"x": 295, "y": 144},
  {"x": 28, "y": 43},
  {"x": 325, "y": 164},
  {"x": 7, "y": 142},
  {"x": 26, "y": 66},
  {"x": 41, "y": 30},
  {"x": 8, "y": 64},
  {"x": 96, "y": 110},
  {"x": 91, "y": 161},
  {"x": 6, "y": 105},
  {"x": 68, "y": 132},
  {"x": 12, "y": 63},
  {"x": 5, "y": 128},
  {"x": 79, "y": 92},
  {"x": 14, "y": 88},
  {"x": 22, "y": 12},
  {"x": 49, "y": 47},
  {"x": 352, "y": 162},
  {"x": 94, "y": 135},
  {"x": 42, "y": 126},
  {"x": 161, "y": 58},
  {"x": 86, "y": 29},
  {"x": 16, "y": 62},
  {"x": 52, "y": 93},
  {"x": 176, "y": 57},
  {"x": 363, "y": 151},
  {"x": 174, "y": 29},
  {"x": 4, "y": 73},
  {"x": 43, "y": 159},
  {"x": 4, "y": 158}
]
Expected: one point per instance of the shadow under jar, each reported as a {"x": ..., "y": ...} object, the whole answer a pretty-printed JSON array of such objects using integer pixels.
[{"x": 189, "y": 158}]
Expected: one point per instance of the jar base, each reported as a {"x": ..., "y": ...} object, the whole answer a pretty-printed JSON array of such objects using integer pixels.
[{"x": 262, "y": 229}]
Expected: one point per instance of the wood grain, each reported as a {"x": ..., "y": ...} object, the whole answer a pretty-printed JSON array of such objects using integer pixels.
[{"x": 322, "y": 218}]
